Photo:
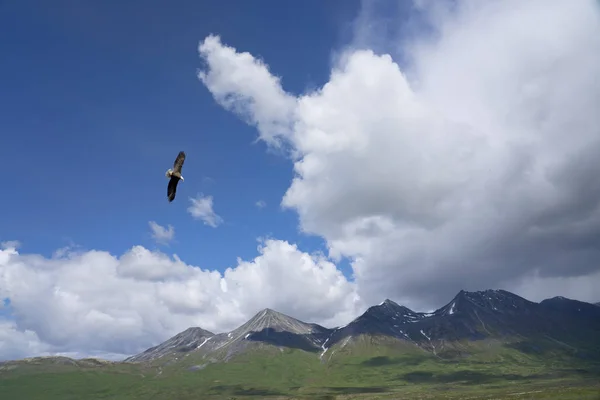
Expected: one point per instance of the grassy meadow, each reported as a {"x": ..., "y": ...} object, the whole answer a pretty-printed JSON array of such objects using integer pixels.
[{"x": 367, "y": 369}]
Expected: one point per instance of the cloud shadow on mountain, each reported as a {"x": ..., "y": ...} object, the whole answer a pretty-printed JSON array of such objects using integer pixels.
[{"x": 284, "y": 339}]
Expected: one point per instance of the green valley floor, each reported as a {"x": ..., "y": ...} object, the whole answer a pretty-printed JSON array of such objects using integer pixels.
[{"x": 294, "y": 374}]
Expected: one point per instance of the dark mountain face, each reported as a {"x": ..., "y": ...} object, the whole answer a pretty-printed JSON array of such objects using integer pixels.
[
  {"x": 384, "y": 318},
  {"x": 572, "y": 307},
  {"x": 499, "y": 301},
  {"x": 469, "y": 316},
  {"x": 476, "y": 316},
  {"x": 573, "y": 319},
  {"x": 387, "y": 318}
]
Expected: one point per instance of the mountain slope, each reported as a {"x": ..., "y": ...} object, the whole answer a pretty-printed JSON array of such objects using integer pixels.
[
  {"x": 386, "y": 319},
  {"x": 476, "y": 316},
  {"x": 267, "y": 327},
  {"x": 566, "y": 306},
  {"x": 567, "y": 325},
  {"x": 470, "y": 315},
  {"x": 191, "y": 338}
]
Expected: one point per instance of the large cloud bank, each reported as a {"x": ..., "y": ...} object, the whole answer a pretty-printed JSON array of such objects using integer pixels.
[
  {"x": 480, "y": 170},
  {"x": 94, "y": 303}
]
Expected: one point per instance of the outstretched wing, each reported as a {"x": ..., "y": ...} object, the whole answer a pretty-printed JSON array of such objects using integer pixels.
[
  {"x": 172, "y": 188},
  {"x": 178, "y": 164}
]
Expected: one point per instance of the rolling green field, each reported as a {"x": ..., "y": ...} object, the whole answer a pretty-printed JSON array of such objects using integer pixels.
[{"x": 366, "y": 370}]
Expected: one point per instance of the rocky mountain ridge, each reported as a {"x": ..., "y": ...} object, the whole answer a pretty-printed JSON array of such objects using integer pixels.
[
  {"x": 267, "y": 326},
  {"x": 468, "y": 316}
]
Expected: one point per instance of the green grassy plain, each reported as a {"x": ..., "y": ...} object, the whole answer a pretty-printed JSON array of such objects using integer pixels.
[{"x": 368, "y": 369}]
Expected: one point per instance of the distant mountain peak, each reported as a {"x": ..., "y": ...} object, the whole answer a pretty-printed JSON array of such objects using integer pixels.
[
  {"x": 268, "y": 318},
  {"x": 188, "y": 340},
  {"x": 269, "y": 312},
  {"x": 393, "y": 308},
  {"x": 489, "y": 293},
  {"x": 495, "y": 300},
  {"x": 196, "y": 330},
  {"x": 563, "y": 304}
]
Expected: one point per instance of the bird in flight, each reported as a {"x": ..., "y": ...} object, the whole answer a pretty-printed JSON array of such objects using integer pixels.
[{"x": 175, "y": 175}]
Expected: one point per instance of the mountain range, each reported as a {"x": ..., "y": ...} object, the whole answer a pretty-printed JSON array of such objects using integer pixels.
[
  {"x": 480, "y": 344},
  {"x": 567, "y": 325}
]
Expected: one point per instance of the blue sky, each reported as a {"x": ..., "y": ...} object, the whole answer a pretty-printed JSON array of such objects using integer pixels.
[{"x": 98, "y": 98}]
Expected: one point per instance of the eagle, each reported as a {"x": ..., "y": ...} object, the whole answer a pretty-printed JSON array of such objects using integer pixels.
[{"x": 175, "y": 175}]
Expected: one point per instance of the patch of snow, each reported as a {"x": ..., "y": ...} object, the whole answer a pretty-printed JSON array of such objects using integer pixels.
[
  {"x": 451, "y": 309},
  {"x": 423, "y": 333},
  {"x": 346, "y": 341},
  {"x": 205, "y": 340},
  {"x": 246, "y": 337},
  {"x": 341, "y": 327},
  {"x": 402, "y": 332},
  {"x": 324, "y": 349}
]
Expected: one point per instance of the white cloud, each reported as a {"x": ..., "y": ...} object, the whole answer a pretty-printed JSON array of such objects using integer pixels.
[
  {"x": 161, "y": 234},
  {"x": 15, "y": 343},
  {"x": 479, "y": 169},
  {"x": 202, "y": 208},
  {"x": 94, "y": 303},
  {"x": 244, "y": 85},
  {"x": 261, "y": 204}
]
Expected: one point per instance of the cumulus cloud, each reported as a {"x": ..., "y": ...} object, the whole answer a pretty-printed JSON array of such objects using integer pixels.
[
  {"x": 474, "y": 166},
  {"x": 161, "y": 234},
  {"x": 202, "y": 209},
  {"x": 243, "y": 84},
  {"x": 15, "y": 343},
  {"x": 95, "y": 303}
]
